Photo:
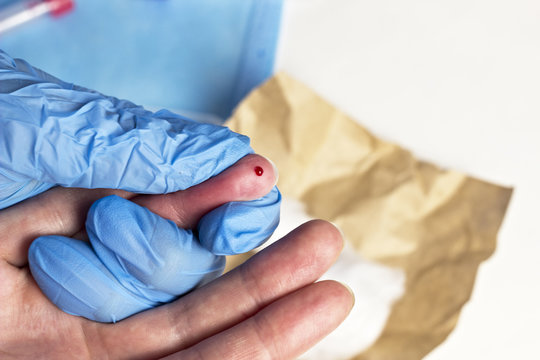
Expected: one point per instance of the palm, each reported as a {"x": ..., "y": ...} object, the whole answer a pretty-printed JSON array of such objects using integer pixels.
[
  {"x": 252, "y": 312},
  {"x": 31, "y": 324}
]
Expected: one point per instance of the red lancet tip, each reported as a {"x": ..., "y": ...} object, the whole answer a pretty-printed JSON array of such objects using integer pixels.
[{"x": 258, "y": 170}]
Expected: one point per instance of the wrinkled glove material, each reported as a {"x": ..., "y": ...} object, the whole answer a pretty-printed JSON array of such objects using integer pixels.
[
  {"x": 135, "y": 260},
  {"x": 100, "y": 141},
  {"x": 56, "y": 133},
  {"x": 233, "y": 215}
]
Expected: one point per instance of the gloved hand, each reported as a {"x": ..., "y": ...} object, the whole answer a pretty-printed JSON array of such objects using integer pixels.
[{"x": 56, "y": 133}]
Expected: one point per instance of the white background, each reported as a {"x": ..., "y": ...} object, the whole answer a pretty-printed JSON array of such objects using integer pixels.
[{"x": 458, "y": 83}]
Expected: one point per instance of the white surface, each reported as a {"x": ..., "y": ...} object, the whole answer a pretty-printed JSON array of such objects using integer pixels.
[
  {"x": 375, "y": 288},
  {"x": 458, "y": 83}
]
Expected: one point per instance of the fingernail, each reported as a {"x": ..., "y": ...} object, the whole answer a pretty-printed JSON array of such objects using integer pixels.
[
  {"x": 351, "y": 291},
  {"x": 339, "y": 229},
  {"x": 341, "y": 233},
  {"x": 276, "y": 172}
]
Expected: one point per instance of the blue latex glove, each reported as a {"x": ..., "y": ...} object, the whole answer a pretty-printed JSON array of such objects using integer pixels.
[{"x": 55, "y": 133}]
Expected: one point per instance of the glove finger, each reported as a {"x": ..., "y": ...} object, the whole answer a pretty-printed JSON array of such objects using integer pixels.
[
  {"x": 100, "y": 141},
  {"x": 240, "y": 226},
  {"x": 150, "y": 256},
  {"x": 71, "y": 275},
  {"x": 136, "y": 261}
]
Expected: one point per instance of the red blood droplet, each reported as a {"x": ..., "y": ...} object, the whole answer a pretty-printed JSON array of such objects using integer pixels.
[{"x": 259, "y": 170}]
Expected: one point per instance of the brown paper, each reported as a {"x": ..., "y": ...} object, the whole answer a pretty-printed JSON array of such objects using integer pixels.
[{"x": 436, "y": 225}]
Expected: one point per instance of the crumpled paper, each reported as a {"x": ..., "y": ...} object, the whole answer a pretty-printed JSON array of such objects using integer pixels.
[
  {"x": 376, "y": 288},
  {"x": 436, "y": 225}
]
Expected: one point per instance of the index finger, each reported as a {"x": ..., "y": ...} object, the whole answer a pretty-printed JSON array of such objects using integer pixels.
[{"x": 250, "y": 178}]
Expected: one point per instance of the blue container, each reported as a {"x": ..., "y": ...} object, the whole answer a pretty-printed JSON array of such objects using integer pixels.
[{"x": 190, "y": 56}]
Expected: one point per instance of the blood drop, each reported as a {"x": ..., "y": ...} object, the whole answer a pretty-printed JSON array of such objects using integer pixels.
[{"x": 258, "y": 170}]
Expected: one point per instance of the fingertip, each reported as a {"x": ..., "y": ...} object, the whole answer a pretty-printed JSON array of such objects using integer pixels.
[
  {"x": 274, "y": 168},
  {"x": 343, "y": 293},
  {"x": 331, "y": 300},
  {"x": 266, "y": 172},
  {"x": 250, "y": 178},
  {"x": 328, "y": 234},
  {"x": 238, "y": 227}
]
